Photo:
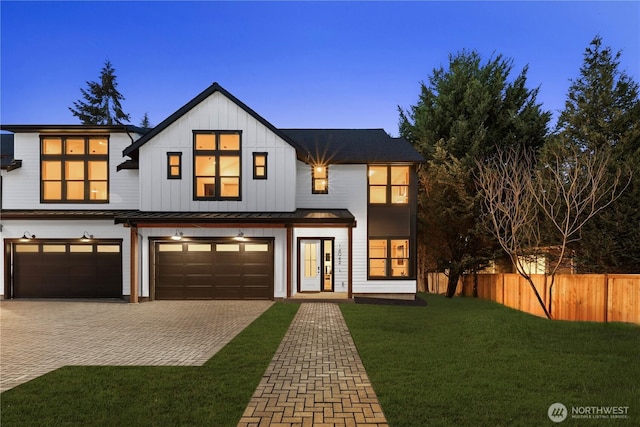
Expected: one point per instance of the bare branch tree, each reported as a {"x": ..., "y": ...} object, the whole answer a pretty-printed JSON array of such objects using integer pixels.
[
  {"x": 510, "y": 207},
  {"x": 569, "y": 189}
]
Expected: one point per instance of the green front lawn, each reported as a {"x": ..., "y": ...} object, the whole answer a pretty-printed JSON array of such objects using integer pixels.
[
  {"x": 454, "y": 362},
  {"x": 215, "y": 394},
  {"x": 469, "y": 362}
]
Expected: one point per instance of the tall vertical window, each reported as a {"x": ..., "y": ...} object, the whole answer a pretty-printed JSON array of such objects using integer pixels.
[
  {"x": 259, "y": 165},
  {"x": 389, "y": 184},
  {"x": 216, "y": 165},
  {"x": 174, "y": 165},
  {"x": 320, "y": 179},
  {"x": 74, "y": 169},
  {"x": 389, "y": 258}
]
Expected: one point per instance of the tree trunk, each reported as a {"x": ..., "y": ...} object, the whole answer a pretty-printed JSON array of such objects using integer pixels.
[
  {"x": 535, "y": 291},
  {"x": 452, "y": 284}
]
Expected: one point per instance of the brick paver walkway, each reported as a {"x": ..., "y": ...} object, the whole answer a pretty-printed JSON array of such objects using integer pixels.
[
  {"x": 37, "y": 337},
  {"x": 316, "y": 377}
]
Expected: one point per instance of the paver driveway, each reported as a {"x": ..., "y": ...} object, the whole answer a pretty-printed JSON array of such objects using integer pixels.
[{"x": 37, "y": 337}]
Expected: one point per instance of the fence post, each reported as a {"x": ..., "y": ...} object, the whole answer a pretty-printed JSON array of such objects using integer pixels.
[{"x": 606, "y": 298}]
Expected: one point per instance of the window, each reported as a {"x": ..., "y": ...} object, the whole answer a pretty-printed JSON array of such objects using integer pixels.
[
  {"x": 174, "y": 165},
  {"x": 389, "y": 258},
  {"x": 259, "y": 165},
  {"x": 389, "y": 184},
  {"x": 319, "y": 179},
  {"x": 216, "y": 165},
  {"x": 74, "y": 169}
]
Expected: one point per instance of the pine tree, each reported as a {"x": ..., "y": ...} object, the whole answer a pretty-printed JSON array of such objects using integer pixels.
[
  {"x": 145, "y": 122},
  {"x": 602, "y": 113},
  {"x": 102, "y": 101},
  {"x": 465, "y": 112}
]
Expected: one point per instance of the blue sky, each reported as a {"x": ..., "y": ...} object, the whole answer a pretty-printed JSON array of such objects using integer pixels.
[{"x": 298, "y": 64}]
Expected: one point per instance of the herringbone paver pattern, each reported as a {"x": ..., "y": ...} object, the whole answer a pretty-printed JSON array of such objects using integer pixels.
[{"x": 316, "y": 377}]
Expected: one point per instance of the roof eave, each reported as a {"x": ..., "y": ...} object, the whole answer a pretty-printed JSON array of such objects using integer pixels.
[{"x": 215, "y": 87}]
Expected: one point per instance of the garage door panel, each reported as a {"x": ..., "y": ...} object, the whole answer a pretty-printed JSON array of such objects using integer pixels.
[
  {"x": 56, "y": 272},
  {"x": 215, "y": 269}
]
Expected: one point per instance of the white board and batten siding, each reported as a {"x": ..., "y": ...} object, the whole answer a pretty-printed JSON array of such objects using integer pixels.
[
  {"x": 348, "y": 187},
  {"x": 21, "y": 187},
  {"x": 217, "y": 112}
]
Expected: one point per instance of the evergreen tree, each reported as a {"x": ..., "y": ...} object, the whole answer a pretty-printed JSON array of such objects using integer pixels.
[
  {"x": 602, "y": 113},
  {"x": 464, "y": 113},
  {"x": 145, "y": 123},
  {"x": 102, "y": 101}
]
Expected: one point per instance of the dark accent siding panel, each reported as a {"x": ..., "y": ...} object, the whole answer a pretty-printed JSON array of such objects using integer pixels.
[{"x": 389, "y": 220}]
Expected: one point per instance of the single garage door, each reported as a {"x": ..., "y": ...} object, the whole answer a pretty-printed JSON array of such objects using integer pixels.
[
  {"x": 65, "y": 269},
  {"x": 214, "y": 270}
]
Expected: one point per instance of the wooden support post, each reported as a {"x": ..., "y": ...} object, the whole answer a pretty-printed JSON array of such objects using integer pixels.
[
  {"x": 350, "y": 263},
  {"x": 134, "y": 256},
  {"x": 289, "y": 261}
]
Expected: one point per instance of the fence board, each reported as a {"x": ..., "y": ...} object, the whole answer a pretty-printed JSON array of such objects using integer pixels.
[
  {"x": 582, "y": 297},
  {"x": 623, "y": 302}
]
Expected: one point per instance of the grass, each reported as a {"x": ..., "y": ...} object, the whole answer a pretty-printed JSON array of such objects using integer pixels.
[
  {"x": 215, "y": 394},
  {"x": 469, "y": 362},
  {"x": 462, "y": 362}
]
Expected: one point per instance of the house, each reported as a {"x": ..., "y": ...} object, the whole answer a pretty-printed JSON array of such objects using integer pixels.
[{"x": 213, "y": 203}]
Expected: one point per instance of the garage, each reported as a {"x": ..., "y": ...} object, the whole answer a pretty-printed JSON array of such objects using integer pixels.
[
  {"x": 67, "y": 269},
  {"x": 214, "y": 269}
]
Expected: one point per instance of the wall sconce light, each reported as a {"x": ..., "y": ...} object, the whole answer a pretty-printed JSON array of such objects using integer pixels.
[
  {"x": 27, "y": 236},
  {"x": 86, "y": 237},
  {"x": 177, "y": 236},
  {"x": 240, "y": 236}
]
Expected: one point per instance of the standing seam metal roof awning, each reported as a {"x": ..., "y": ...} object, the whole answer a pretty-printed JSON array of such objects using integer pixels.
[{"x": 299, "y": 216}]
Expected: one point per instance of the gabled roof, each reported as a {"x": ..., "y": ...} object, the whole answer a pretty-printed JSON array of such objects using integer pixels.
[
  {"x": 328, "y": 146},
  {"x": 215, "y": 87}
]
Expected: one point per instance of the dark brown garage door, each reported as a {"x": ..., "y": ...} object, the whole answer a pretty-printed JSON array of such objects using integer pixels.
[
  {"x": 63, "y": 269},
  {"x": 214, "y": 270}
]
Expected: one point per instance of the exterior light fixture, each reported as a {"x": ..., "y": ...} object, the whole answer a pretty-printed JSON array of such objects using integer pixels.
[
  {"x": 177, "y": 236},
  {"x": 86, "y": 237},
  {"x": 240, "y": 236},
  {"x": 27, "y": 236}
]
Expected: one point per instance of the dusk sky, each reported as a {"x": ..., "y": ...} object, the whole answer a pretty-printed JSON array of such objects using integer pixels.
[{"x": 298, "y": 64}]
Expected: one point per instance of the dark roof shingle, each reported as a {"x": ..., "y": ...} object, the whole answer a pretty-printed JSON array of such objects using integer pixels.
[{"x": 333, "y": 146}]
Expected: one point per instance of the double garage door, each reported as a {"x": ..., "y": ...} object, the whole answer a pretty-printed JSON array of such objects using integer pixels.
[
  {"x": 214, "y": 269},
  {"x": 67, "y": 269}
]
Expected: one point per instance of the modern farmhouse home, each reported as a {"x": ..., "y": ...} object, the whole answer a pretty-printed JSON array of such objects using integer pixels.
[{"x": 213, "y": 203}]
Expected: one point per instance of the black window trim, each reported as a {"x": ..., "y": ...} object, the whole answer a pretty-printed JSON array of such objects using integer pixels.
[
  {"x": 257, "y": 154},
  {"x": 86, "y": 157},
  {"x": 411, "y": 266},
  {"x": 388, "y": 186},
  {"x": 169, "y": 155},
  {"x": 217, "y": 153},
  {"x": 313, "y": 179}
]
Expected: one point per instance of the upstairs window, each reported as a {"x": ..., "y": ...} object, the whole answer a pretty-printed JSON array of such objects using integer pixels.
[
  {"x": 259, "y": 165},
  {"x": 216, "y": 165},
  {"x": 388, "y": 184},
  {"x": 74, "y": 169},
  {"x": 320, "y": 179},
  {"x": 174, "y": 165}
]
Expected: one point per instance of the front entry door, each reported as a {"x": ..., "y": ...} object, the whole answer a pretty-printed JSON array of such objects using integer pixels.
[{"x": 310, "y": 266}]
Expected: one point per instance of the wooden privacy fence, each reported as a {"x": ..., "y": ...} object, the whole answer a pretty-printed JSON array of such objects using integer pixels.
[{"x": 584, "y": 297}]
